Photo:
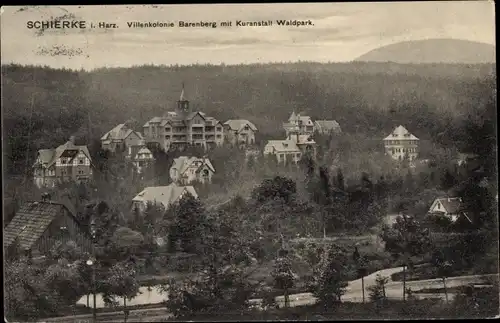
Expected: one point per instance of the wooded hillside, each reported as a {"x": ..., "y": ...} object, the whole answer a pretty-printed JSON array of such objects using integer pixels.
[{"x": 44, "y": 106}]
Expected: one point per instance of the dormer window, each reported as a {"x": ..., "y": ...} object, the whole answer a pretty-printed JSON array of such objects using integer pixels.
[{"x": 63, "y": 161}]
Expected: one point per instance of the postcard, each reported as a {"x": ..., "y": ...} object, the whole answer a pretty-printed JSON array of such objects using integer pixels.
[{"x": 280, "y": 161}]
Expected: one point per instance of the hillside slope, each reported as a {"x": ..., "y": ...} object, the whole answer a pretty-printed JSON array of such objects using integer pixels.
[
  {"x": 433, "y": 51},
  {"x": 369, "y": 98}
]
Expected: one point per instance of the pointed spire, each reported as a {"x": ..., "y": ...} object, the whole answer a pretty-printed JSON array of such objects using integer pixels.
[
  {"x": 182, "y": 98},
  {"x": 293, "y": 116}
]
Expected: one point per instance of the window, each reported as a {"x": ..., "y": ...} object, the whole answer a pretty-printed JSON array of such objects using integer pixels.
[
  {"x": 80, "y": 161},
  {"x": 438, "y": 206},
  {"x": 63, "y": 161},
  {"x": 219, "y": 128},
  {"x": 167, "y": 129}
]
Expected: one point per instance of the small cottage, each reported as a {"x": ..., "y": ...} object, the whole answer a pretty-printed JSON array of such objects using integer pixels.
[
  {"x": 162, "y": 196},
  {"x": 450, "y": 207},
  {"x": 39, "y": 225}
]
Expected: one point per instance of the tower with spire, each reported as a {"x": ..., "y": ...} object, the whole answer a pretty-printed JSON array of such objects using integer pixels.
[{"x": 183, "y": 107}]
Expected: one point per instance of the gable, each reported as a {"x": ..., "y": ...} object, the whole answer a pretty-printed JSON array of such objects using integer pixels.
[
  {"x": 196, "y": 117},
  {"x": 132, "y": 135},
  {"x": 198, "y": 120}
]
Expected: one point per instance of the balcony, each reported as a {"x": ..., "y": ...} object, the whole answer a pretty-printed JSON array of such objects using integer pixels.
[{"x": 180, "y": 130}]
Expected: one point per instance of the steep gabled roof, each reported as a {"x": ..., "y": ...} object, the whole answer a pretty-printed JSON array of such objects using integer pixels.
[
  {"x": 165, "y": 195},
  {"x": 239, "y": 124},
  {"x": 183, "y": 163},
  {"x": 119, "y": 132},
  {"x": 49, "y": 156},
  {"x": 46, "y": 155},
  {"x": 451, "y": 205},
  {"x": 31, "y": 221},
  {"x": 193, "y": 114},
  {"x": 283, "y": 145},
  {"x": 68, "y": 146},
  {"x": 400, "y": 133}
]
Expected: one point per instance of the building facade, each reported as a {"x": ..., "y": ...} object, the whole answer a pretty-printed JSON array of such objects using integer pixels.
[
  {"x": 298, "y": 123},
  {"x": 401, "y": 144},
  {"x": 141, "y": 157},
  {"x": 67, "y": 162},
  {"x": 120, "y": 137},
  {"x": 182, "y": 128},
  {"x": 285, "y": 151},
  {"x": 239, "y": 132},
  {"x": 186, "y": 170}
]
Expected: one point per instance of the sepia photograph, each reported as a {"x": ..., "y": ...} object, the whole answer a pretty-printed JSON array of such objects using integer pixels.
[{"x": 250, "y": 162}]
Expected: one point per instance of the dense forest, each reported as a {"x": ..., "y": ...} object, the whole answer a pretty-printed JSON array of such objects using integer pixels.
[{"x": 42, "y": 107}]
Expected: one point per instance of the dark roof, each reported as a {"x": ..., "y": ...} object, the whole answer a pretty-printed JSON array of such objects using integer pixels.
[
  {"x": 30, "y": 222},
  {"x": 327, "y": 125},
  {"x": 451, "y": 205}
]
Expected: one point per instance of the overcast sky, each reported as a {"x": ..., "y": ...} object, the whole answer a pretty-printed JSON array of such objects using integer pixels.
[{"x": 341, "y": 32}]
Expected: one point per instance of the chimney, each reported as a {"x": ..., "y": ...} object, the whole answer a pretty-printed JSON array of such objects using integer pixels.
[{"x": 72, "y": 139}]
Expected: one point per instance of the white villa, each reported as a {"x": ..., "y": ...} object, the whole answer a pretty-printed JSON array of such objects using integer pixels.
[
  {"x": 284, "y": 150},
  {"x": 401, "y": 144}
]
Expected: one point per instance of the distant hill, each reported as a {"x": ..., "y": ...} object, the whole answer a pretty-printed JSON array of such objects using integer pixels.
[{"x": 433, "y": 51}]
